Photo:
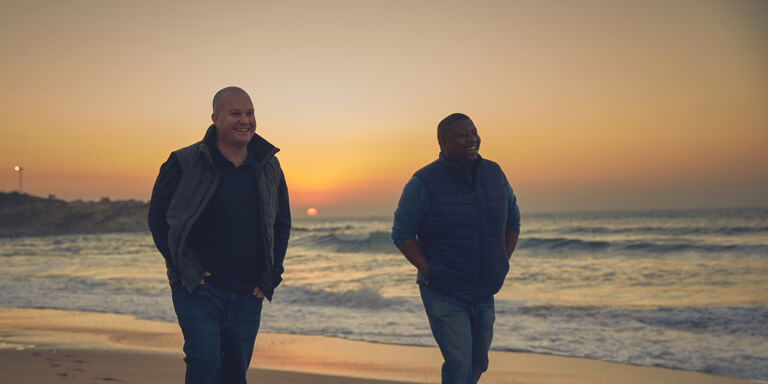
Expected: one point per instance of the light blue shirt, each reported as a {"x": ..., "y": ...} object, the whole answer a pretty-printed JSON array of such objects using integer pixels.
[{"x": 414, "y": 204}]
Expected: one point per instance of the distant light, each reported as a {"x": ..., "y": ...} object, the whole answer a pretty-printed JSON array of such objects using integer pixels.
[
  {"x": 311, "y": 212},
  {"x": 20, "y": 170}
]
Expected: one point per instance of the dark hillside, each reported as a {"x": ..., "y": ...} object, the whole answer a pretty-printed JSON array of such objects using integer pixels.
[{"x": 26, "y": 215}]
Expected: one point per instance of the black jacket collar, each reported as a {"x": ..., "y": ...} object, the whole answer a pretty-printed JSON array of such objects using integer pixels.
[
  {"x": 259, "y": 149},
  {"x": 457, "y": 168}
]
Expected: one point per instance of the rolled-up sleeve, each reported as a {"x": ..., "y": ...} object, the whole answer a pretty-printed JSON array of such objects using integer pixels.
[{"x": 414, "y": 202}]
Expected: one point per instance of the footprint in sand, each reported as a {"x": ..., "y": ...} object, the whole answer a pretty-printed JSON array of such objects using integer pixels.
[
  {"x": 67, "y": 362},
  {"x": 113, "y": 379}
]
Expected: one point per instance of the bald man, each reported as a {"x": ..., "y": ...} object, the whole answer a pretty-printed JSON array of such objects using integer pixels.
[{"x": 219, "y": 215}]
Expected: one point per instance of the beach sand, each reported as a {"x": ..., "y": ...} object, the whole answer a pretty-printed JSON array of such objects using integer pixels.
[{"x": 52, "y": 346}]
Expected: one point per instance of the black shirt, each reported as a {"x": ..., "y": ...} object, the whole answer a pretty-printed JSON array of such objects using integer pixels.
[{"x": 226, "y": 236}]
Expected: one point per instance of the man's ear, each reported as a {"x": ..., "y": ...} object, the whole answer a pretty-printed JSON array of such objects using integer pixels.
[{"x": 213, "y": 117}]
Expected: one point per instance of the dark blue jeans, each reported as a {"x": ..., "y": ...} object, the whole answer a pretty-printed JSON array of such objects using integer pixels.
[
  {"x": 463, "y": 331},
  {"x": 219, "y": 330}
]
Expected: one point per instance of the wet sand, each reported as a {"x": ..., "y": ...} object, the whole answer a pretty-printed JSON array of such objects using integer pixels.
[{"x": 52, "y": 346}]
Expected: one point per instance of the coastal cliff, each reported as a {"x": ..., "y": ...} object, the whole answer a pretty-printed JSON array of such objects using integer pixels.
[{"x": 26, "y": 215}]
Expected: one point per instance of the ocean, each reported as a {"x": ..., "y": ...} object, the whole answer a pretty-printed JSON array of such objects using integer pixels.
[{"x": 684, "y": 289}]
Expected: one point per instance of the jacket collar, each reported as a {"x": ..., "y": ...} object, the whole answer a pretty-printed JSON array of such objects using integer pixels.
[
  {"x": 455, "y": 168},
  {"x": 259, "y": 149}
]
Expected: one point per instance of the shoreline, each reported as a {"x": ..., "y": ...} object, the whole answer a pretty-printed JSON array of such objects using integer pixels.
[{"x": 49, "y": 345}]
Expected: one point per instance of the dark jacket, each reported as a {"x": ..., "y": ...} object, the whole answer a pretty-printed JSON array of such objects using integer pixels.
[
  {"x": 179, "y": 198},
  {"x": 463, "y": 232}
]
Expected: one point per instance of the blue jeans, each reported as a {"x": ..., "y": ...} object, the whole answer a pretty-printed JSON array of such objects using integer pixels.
[
  {"x": 219, "y": 330},
  {"x": 463, "y": 331}
]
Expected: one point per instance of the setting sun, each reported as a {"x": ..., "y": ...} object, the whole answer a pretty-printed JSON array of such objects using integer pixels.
[{"x": 311, "y": 212}]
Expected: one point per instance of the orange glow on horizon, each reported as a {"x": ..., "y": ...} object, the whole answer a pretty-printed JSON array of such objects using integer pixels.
[{"x": 576, "y": 107}]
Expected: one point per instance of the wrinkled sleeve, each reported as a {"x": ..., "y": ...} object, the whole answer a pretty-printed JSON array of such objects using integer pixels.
[
  {"x": 165, "y": 186},
  {"x": 413, "y": 204},
  {"x": 282, "y": 231},
  {"x": 513, "y": 215}
]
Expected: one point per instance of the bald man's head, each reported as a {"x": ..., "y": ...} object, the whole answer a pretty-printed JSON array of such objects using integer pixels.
[{"x": 219, "y": 96}]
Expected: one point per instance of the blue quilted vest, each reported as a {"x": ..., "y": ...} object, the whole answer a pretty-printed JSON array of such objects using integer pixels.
[{"x": 462, "y": 234}]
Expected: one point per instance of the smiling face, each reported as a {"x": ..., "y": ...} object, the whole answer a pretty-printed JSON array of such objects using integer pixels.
[
  {"x": 461, "y": 143},
  {"x": 234, "y": 119}
]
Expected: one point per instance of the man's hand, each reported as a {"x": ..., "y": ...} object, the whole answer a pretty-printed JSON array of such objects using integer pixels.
[
  {"x": 257, "y": 292},
  {"x": 206, "y": 274},
  {"x": 412, "y": 251}
]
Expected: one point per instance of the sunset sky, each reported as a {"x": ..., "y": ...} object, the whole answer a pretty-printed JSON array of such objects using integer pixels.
[{"x": 585, "y": 104}]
